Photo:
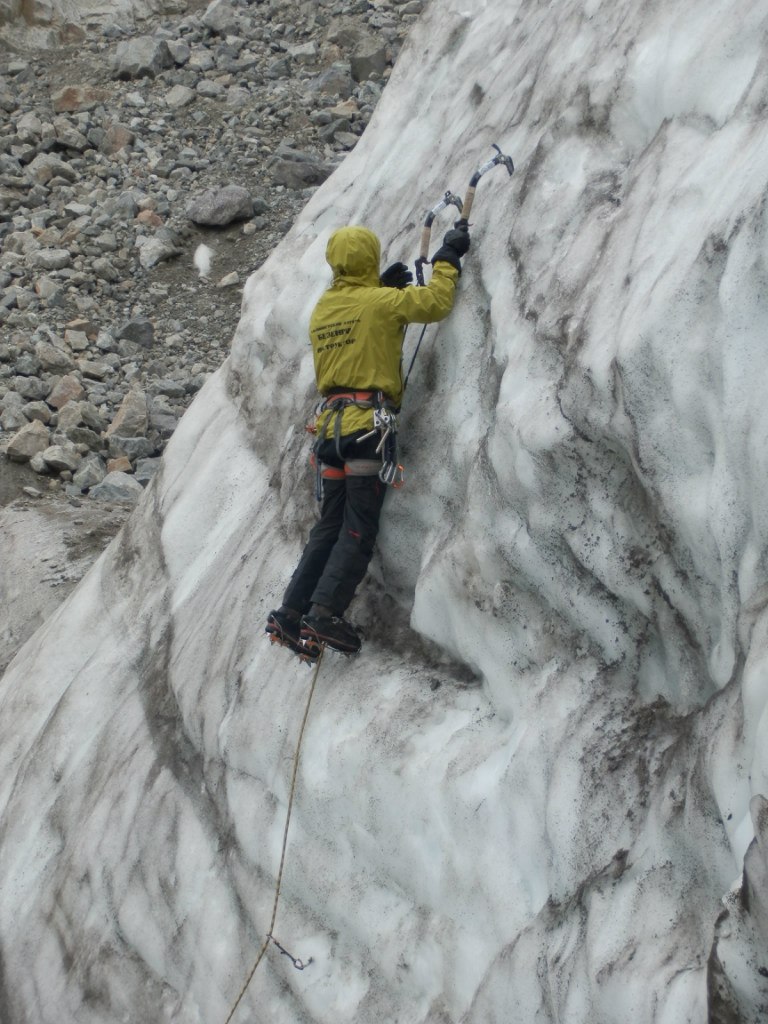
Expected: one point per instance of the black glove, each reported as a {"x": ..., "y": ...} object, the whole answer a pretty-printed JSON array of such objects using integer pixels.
[
  {"x": 396, "y": 276},
  {"x": 455, "y": 245}
]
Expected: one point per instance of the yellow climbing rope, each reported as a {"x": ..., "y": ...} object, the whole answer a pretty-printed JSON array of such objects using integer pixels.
[{"x": 270, "y": 937}]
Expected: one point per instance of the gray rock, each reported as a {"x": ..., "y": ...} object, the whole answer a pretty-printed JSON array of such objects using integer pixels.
[
  {"x": 146, "y": 470},
  {"x": 50, "y": 259},
  {"x": 92, "y": 418},
  {"x": 28, "y": 364},
  {"x": 280, "y": 68},
  {"x": 69, "y": 137},
  {"x": 67, "y": 389},
  {"x": 179, "y": 50},
  {"x": 105, "y": 269},
  {"x": 238, "y": 97},
  {"x": 60, "y": 457},
  {"x": 221, "y": 17},
  {"x": 132, "y": 418},
  {"x": 80, "y": 436},
  {"x": 143, "y": 57},
  {"x": 370, "y": 58},
  {"x": 134, "y": 447},
  {"x": 169, "y": 388},
  {"x": 346, "y": 139},
  {"x": 45, "y": 167},
  {"x": 93, "y": 369},
  {"x": 52, "y": 358},
  {"x": 31, "y": 439},
  {"x": 116, "y": 138},
  {"x": 38, "y": 464},
  {"x": 37, "y": 411},
  {"x": 210, "y": 90},
  {"x": 304, "y": 53},
  {"x": 117, "y": 487},
  {"x": 70, "y": 416},
  {"x": 154, "y": 250},
  {"x": 29, "y": 127},
  {"x": 180, "y": 96},
  {"x": 164, "y": 422},
  {"x": 336, "y": 81},
  {"x": 297, "y": 169},
  {"x": 140, "y": 331},
  {"x": 12, "y": 417},
  {"x": 90, "y": 472},
  {"x": 221, "y": 206},
  {"x": 201, "y": 61},
  {"x": 48, "y": 290},
  {"x": 31, "y": 388}
]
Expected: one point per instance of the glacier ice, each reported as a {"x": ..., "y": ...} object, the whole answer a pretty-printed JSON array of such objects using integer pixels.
[{"x": 539, "y": 794}]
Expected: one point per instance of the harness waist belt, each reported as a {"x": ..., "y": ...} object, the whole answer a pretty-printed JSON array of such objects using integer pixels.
[{"x": 349, "y": 396}]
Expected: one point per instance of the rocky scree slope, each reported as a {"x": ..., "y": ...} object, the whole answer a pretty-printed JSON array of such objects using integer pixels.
[{"x": 145, "y": 170}]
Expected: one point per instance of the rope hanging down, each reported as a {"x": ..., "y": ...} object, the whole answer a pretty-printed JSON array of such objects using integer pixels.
[{"x": 298, "y": 964}]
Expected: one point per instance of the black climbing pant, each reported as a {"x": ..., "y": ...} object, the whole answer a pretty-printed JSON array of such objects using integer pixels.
[{"x": 340, "y": 544}]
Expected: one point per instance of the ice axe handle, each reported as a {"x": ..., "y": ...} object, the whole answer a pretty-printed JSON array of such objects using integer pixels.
[
  {"x": 426, "y": 232},
  {"x": 499, "y": 159},
  {"x": 469, "y": 198}
]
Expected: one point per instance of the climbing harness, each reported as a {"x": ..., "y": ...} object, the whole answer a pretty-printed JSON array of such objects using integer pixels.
[
  {"x": 384, "y": 423},
  {"x": 300, "y": 965}
]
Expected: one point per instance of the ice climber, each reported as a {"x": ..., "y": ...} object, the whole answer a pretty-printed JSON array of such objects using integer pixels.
[{"x": 356, "y": 330}]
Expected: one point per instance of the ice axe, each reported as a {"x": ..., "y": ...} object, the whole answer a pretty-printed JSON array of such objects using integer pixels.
[
  {"x": 465, "y": 209},
  {"x": 448, "y": 199},
  {"x": 499, "y": 159}
]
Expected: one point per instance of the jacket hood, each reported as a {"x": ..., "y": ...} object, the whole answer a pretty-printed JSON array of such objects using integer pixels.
[{"x": 354, "y": 254}]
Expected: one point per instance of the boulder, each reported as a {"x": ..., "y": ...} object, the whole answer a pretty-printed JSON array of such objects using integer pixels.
[
  {"x": 90, "y": 472},
  {"x": 37, "y": 411},
  {"x": 32, "y": 388},
  {"x": 68, "y": 389},
  {"x": 52, "y": 358},
  {"x": 132, "y": 418},
  {"x": 220, "y": 17},
  {"x": 29, "y": 441},
  {"x": 70, "y": 416},
  {"x": 140, "y": 330},
  {"x": 217, "y": 207},
  {"x": 155, "y": 250},
  {"x": 134, "y": 447},
  {"x": 180, "y": 96},
  {"x": 118, "y": 487},
  {"x": 297, "y": 169},
  {"x": 50, "y": 259},
  {"x": 61, "y": 457},
  {"x": 146, "y": 470},
  {"x": 369, "y": 58},
  {"x": 46, "y": 166},
  {"x": 143, "y": 57}
]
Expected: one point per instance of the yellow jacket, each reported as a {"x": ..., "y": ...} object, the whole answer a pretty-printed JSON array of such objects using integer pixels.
[{"x": 357, "y": 327}]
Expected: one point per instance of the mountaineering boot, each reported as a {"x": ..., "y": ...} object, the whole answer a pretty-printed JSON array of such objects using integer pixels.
[
  {"x": 283, "y": 629},
  {"x": 329, "y": 630}
]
